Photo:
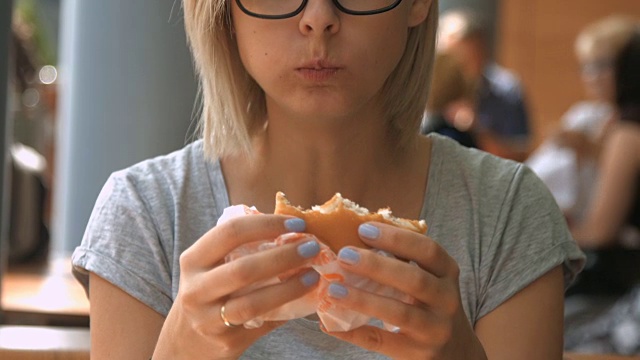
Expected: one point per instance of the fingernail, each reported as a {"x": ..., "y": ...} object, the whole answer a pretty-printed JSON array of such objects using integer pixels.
[
  {"x": 369, "y": 231},
  {"x": 309, "y": 249},
  {"x": 295, "y": 225},
  {"x": 349, "y": 256},
  {"x": 338, "y": 291},
  {"x": 309, "y": 279}
]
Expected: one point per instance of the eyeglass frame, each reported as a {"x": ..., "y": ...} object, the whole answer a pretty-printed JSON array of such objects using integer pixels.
[{"x": 304, "y": 4}]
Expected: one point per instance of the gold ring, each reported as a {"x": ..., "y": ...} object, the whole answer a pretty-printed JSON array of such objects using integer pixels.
[{"x": 224, "y": 319}]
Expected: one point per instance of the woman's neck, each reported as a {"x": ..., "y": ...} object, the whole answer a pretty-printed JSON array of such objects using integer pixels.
[
  {"x": 310, "y": 165},
  {"x": 348, "y": 159}
]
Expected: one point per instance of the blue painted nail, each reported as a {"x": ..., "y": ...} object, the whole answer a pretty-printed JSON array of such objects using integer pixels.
[
  {"x": 338, "y": 291},
  {"x": 309, "y": 279},
  {"x": 368, "y": 231},
  {"x": 295, "y": 225},
  {"x": 309, "y": 249},
  {"x": 349, "y": 256}
]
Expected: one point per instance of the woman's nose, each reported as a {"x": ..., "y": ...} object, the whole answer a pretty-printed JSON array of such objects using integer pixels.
[{"x": 320, "y": 16}]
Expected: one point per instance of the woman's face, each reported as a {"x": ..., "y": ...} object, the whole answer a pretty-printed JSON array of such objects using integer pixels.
[
  {"x": 323, "y": 61},
  {"x": 598, "y": 75}
]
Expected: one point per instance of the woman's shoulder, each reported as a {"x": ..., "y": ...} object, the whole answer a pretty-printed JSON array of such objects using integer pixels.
[
  {"x": 174, "y": 164},
  {"x": 476, "y": 177},
  {"x": 470, "y": 164},
  {"x": 187, "y": 165},
  {"x": 632, "y": 129},
  {"x": 165, "y": 191},
  {"x": 164, "y": 181},
  {"x": 625, "y": 134},
  {"x": 625, "y": 138},
  {"x": 494, "y": 216}
]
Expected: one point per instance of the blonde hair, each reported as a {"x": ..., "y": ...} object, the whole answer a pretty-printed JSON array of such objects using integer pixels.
[
  {"x": 233, "y": 105},
  {"x": 609, "y": 34}
]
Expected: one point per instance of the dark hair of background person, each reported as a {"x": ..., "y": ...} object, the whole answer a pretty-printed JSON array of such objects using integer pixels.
[{"x": 628, "y": 80}]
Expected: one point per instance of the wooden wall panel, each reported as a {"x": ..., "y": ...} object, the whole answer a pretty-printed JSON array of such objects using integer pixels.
[{"x": 535, "y": 39}]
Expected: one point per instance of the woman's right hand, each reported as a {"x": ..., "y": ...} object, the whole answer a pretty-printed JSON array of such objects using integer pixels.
[{"x": 194, "y": 327}]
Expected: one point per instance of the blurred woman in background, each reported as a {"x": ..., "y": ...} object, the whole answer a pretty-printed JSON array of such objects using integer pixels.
[
  {"x": 612, "y": 223},
  {"x": 614, "y": 215},
  {"x": 568, "y": 161}
]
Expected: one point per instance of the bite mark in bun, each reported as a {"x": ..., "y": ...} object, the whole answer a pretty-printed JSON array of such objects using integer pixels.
[{"x": 336, "y": 222}]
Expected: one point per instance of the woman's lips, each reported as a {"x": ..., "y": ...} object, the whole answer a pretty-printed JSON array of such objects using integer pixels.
[
  {"x": 317, "y": 74},
  {"x": 318, "y": 70}
]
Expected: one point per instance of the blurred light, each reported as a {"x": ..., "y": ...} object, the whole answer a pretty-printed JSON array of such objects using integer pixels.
[
  {"x": 450, "y": 30},
  {"x": 48, "y": 74},
  {"x": 27, "y": 158},
  {"x": 31, "y": 97},
  {"x": 39, "y": 340}
]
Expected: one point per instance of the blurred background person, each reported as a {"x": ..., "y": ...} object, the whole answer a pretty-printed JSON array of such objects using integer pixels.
[
  {"x": 612, "y": 224},
  {"x": 616, "y": 202},
  {"x": 32, "y": 92},
  {"x": 567, "y": 160},
  {"x": 494, "y": 108},
  {"x": 448, "y": 86}
]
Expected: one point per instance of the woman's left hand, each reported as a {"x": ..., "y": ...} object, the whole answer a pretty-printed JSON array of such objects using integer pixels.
[{"x": 435, "y": 325}]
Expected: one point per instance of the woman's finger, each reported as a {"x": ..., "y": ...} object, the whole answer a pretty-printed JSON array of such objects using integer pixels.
[
  {"x": 214, "y": 245},
  {"x": 416, "y": 322},
  {"x": 239, "y": 310},
  {"x": 416, "y": 282},
  {"x": 233, "y": 276},
  {"x": 408, "y": 244}
]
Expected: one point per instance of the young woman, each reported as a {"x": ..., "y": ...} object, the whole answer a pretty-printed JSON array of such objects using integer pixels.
[
  {"x": 613, "y": 218},
  {"x": 611, "y": 229},
  {"x": 314, "y": 97},
  {"x": 568, "y": 160}
]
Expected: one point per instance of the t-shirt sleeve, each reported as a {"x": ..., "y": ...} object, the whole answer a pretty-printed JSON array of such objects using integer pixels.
[
  {"x": 122, "y": 246},
  {"x": 530, "y": 238}
]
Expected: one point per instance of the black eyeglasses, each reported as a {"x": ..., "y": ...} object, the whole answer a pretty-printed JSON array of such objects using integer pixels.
[{"x": 282, "y": 9}]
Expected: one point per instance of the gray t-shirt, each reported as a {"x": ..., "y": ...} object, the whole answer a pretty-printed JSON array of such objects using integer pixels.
[{"x": 494, "y": 216}]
